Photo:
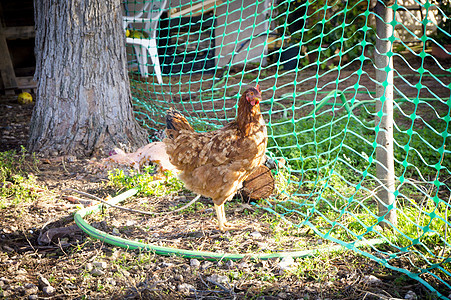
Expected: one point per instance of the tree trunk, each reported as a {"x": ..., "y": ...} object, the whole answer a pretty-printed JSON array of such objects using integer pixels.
[{"x": 83, "y": 97}]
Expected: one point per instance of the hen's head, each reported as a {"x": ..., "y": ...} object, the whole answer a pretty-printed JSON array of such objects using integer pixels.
[{"x": 253, "y": 95}]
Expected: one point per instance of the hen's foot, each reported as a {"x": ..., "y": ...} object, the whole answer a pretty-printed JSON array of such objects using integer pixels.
[{"x": 229, "y": 226}]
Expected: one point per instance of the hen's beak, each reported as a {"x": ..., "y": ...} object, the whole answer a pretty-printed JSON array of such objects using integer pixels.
[{"x": 255, "y": 101}]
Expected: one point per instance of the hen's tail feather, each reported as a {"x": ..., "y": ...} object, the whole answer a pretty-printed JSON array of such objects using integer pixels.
[{"x": 176, "y": 121}]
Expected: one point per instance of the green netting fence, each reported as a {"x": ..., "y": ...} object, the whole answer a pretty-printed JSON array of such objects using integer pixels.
[{"x": 356, "y": 100}]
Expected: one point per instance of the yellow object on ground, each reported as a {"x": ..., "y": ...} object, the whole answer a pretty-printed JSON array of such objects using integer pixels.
[{"x": 24, "y": 98}]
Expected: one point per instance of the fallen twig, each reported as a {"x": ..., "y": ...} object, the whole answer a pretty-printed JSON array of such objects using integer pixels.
[{"x": 134, "y": 210}]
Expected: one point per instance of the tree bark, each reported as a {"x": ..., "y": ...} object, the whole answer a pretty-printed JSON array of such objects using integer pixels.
[{"x": 83, "y": 96}]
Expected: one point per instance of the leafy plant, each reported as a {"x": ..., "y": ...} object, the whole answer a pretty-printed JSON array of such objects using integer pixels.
[
  {"x": 16, "y": 183},
  {"x": 146, "y": 181}
]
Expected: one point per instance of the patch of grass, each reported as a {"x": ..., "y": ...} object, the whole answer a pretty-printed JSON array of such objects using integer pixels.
[
  {"x": 146, "y": 181},
  {"x": 17, "y": 183}
]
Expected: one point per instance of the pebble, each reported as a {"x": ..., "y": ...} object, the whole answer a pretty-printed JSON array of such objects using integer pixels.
[
  {"x": 207, "y": 264},
  {"x": 256, "y": 235},
  {"x": 411, "y": 296},
  {"x": 282, "y": 295},
  {"x": 4, "y": 279},
  {"x": 243, "y": 265},
  {"x": 221, "y": 279},
  {"x": 20, "y": 290},
  {"x": 70, "y": 286},
  {"x": 371, "y": 279},
  {"x": 100, "y": 264},
  {"x": 89, "y": 267},
  {"x": 178, "y": 277},
  {"x": 185, "y": 288},
  {"x": 286, "y": 263},
  {"x": 97, "y": 272},
  {"x": 33, "y": 297},
  {"x": 229, "y": 264},
  {"x": 42, "y": 281},
  {"x": 48, "y": 290},
  {"x": 71, "y": 158},
  {"x": 195, "y": 263},
  {"x": 31, "y": 288},
  {"x": 116, "y": 231},
  {"x": 167, "y": 264}
]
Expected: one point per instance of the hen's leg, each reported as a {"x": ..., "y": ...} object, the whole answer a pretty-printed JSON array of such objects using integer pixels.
[{"x": 222, "y": 222}]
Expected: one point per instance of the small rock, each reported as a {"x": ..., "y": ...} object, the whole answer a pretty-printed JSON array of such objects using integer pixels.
[
  {"x": 20, "y": 290},
  {"x": 282, "y": 295},
  {"x": 71, "y": 158},
  {"x": 100, "y": 264},
  {"x": 178, "y": 277},
  {"x": 242, "y": 265},
  {"x": 125, "y": 273},
  {"x": 70, "y": 286},
  {"x": 255, "y": 235},
  {"x": 33, "y": 297},
  {"x": 411, "y": 296},
  {"x": 371, "y": 279},
  {"x": 208, "y": 210},
  {"x": 30, "y": 289},
  {"x": 221, "y": 279},
  {"x": 116, "y": 231},
  {"x": 185, "y": 288},
  {"x": 194, "y": 263},
  {"x": 229, "y": 264},
  {"x": 48, "y": 290},
  {"x": 21, "y": 272},
  {"x": 89, "y": 267},
  {"x": 167, "y": 264},
  {"x": 20, "y": 278},
  {"x": 6, "y": 293},
  {"x": 42, "y": 281},
  {"x": 97, "y": 272},
  {"x": 207, "y": 264},
  {"x": 286, "y": 263}
]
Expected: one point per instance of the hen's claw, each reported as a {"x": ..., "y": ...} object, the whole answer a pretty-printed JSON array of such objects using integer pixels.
[{"x": 229, "y": 226}]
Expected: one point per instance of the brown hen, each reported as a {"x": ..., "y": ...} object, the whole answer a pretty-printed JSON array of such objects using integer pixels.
[{"x": 215, "y": 163}]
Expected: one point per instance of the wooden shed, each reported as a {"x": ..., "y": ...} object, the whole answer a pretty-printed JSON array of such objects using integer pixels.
[{"x": 17, "y": 59}]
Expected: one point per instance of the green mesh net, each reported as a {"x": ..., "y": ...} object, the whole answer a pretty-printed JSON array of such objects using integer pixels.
[{"x": 333, "y": 75}]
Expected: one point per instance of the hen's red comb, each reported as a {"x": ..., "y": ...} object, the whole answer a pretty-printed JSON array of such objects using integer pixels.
[{"x": 257, "y": 87}]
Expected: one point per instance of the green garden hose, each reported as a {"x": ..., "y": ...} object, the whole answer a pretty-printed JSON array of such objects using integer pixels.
[{"x": 203, "y": 255}]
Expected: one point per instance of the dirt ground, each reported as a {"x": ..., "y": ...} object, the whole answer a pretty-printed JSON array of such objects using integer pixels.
[{"x": 75, "y": 266}]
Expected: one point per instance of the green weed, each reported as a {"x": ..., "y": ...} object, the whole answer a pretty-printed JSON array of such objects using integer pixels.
[
  {"x": 146, "y": 182},
  {"x": 17, "y": 184}
]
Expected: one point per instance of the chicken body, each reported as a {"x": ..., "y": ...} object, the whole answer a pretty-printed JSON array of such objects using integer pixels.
[{"x": 214, "y": 164}]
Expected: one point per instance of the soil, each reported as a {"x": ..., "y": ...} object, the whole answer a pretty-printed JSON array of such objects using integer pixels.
[{"x": 79, "y": 267}]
